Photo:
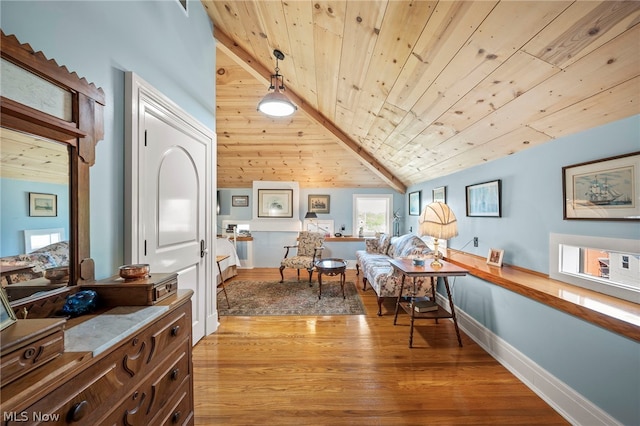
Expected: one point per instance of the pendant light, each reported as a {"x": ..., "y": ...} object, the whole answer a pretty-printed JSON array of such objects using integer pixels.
[{"x": 275, "y": 103}]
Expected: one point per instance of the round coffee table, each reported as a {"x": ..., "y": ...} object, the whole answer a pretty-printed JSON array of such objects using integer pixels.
[{"x": 331, "y": 267}]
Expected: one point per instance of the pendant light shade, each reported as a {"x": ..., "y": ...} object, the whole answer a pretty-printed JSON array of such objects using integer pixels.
[{"x": 275, "y": 103}]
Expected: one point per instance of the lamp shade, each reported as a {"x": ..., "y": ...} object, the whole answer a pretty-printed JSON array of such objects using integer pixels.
[
  {"x": 276, "y": 104},
  {"x": 438, "y": 221},
  {"x": 311, "y": 215}
]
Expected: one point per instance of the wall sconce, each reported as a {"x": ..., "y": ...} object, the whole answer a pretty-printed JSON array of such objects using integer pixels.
[{"x": 275, "y": 103}]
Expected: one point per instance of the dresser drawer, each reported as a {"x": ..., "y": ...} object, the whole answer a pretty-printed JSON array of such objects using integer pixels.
[
  {"x": 179, "y": 410},
  {"x": 156, "y": 394},
  {"x": 22, "y": 360}
]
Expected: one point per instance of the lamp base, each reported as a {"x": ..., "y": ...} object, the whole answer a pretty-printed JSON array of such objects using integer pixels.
[{"x": 436, "y": 254}]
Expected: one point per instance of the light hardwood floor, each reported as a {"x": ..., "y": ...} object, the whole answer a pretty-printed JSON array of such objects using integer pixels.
[{"x": 353, "y": 370}]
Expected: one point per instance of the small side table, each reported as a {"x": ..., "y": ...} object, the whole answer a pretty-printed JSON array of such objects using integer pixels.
[
  {"x": 331, "y": 267},
  {"x": 218, "y": 260},
  {"x": 408, "y": 269}
]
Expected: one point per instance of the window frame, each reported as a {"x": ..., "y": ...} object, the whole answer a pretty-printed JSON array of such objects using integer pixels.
[
  {"x": 389, "y": 212},
  {"x": 598, "y": 284}
]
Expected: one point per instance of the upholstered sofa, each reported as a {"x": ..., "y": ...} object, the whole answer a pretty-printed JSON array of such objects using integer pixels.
[
  {"x": 53, "y": 255},
  {"x": 373, "y": 263}
]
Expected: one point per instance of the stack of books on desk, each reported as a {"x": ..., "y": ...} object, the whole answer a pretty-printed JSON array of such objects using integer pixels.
[{"x": 425, "y": 306}]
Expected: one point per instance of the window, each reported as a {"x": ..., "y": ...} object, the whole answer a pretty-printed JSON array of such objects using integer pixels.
[
  {"x": 372, "y": 213},
  {"x": 607, "y": 265},
  {"x": 38, "y": 238}
]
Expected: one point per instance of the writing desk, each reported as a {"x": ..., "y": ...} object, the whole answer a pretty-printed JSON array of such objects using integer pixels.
[{"x": 408, "y": 269}]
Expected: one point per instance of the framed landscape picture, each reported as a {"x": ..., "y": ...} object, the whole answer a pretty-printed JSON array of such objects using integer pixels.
[
  {"x": 605, "y": 189},
  {"x": 319, "y": 204},
  {"x": 43, "y": 205},
  {"x": 414, "y": 203},
  {"x": 439, "y": 194},
  {"x": 275, "y": 202},
  {"x": 483, "y": 199}
]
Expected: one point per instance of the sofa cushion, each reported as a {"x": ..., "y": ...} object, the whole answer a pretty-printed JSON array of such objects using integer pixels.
[
  {"x": 379, "y": 244},
  {"x": 371, "y": 245},
  {"x": 58, "y": 251},
  {"x": 408, "y": 245},
  {"x": 383, "y": 243}
]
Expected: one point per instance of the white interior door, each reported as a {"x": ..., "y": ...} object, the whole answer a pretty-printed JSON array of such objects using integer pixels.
[{"x": 172, "y": 180}]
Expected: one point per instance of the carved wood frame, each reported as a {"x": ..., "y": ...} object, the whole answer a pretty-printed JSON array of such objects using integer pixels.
[{"x": 81, "y": 134}]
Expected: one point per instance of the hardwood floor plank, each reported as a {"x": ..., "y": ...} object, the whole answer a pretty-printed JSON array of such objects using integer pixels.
[{"x": 353, "y": 370}]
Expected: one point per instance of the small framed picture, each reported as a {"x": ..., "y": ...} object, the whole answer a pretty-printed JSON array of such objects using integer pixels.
[
  {"x": 43, "y": 205},
  {"x": 319, "y": 204},
  {"x": 7, "y": 316},
  {"x": 439, "y": 194},
  {"x": 494, "y": 258},
  {"x": 414, "y": 203},
  {"x": 484, "y": 199},
  {"x": 239, "y": 201}
]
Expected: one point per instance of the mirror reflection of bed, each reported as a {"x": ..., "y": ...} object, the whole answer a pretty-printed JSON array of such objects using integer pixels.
[
  {"x": 230, "y": 265},
  {"x": 32, "y": 244}
]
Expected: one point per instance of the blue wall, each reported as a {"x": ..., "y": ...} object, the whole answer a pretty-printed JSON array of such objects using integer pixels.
[
  {"x": 268, "y": 246},
  {"x": 14, "y": 199},
  {"x": 602, "y": 366},
  {"x": 532, "y": 196},
  {"x": 100, "y": 40}
]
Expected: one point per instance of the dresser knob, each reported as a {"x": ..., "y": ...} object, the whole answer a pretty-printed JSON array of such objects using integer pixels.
[
  {"x": 175, "y": 374},
  {"x": 78, "y": 411},
  {"x": 176, "y": 417},
  {"x": 175, "y": 330}
]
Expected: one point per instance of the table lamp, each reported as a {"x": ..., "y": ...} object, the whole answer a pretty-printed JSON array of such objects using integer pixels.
[
  {"x": 438, "y": 221},
  {"x": 311, "y": 216}
]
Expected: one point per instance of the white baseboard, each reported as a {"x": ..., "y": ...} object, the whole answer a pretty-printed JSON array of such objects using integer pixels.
[{"x": 570, "y": 404}]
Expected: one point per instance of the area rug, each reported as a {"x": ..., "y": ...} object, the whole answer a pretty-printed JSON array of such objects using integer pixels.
[{"x": 251, "y": 298}]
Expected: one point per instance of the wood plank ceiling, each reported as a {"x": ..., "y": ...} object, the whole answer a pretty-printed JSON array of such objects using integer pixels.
[{"x": 393, "y": 93}]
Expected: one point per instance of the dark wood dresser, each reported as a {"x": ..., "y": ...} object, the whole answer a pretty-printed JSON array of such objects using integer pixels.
[{"x": 124, "y": 366}]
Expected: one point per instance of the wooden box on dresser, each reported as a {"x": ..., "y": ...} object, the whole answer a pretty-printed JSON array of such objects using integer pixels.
[{"x": 140, "y": 376}]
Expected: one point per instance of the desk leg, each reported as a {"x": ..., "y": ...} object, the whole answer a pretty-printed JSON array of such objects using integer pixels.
[
  {"x": 342, "y": 281},
  {"x": 319, "y": 284},
  {"x": 223, "y": 287},
  {"x": 453, "y": 310},
  {"x": 395, "y": 318},
  {"x": 412, "y": 313}
]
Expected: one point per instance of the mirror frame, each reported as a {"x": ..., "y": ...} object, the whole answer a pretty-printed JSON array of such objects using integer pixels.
[{"x": 81, "y": 135}]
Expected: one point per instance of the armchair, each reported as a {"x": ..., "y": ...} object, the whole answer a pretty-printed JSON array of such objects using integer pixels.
[{"x": 309, "y": 249}]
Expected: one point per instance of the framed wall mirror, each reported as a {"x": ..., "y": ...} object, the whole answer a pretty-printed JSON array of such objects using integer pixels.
[{"x": 51, "y": 122}]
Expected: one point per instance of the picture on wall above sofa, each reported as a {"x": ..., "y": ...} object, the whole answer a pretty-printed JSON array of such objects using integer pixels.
[{"x": 484, "y": 199}]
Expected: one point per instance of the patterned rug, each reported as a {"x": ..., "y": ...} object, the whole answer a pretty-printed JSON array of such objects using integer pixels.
[{"x": 250, "y": 298}]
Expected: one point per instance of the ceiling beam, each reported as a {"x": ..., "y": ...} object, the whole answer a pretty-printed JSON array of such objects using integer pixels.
[{"x": 262, "y": 74}]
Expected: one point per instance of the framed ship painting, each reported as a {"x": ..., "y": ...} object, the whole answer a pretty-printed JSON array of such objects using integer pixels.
[{"x": 605, "y": 189}]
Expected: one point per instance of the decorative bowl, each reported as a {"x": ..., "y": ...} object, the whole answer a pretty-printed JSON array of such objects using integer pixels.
[
  {"x": 418, "y": 261},
  {"x": 57, "y": 275},
  {"x": 134, "y": 272}
]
